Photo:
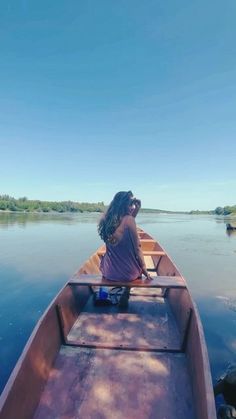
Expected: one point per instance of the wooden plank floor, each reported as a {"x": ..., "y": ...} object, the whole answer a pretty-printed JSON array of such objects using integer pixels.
[
  {"x": 100, "y": 383},
  {"x": 90, "y": 383},
  {"x": 147, "y": 323}
]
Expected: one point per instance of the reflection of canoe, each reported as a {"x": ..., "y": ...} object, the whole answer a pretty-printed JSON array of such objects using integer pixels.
[
  {"x": 87, "y": 361},
  {"x": 230, "y": 227}
]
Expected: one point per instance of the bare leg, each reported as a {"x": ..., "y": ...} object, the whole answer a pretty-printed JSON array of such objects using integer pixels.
[{"x": 123, "y": 303}]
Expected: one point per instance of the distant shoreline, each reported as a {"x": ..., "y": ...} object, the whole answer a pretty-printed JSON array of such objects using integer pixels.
[
  {"x": 142, "y": 211},
  {"x": 24, "y": 205}
]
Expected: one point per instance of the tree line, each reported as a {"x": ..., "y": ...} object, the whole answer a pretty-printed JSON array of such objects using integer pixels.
[
  {"x": 8, "y": 203},
  {"x": 226, "y": 210}
]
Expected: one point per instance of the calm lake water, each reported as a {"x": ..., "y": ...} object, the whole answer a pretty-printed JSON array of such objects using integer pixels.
[{"x": 38, "y": 253}]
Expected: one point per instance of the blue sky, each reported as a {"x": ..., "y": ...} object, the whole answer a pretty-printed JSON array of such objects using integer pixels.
[{"x": 98, "y": 97}]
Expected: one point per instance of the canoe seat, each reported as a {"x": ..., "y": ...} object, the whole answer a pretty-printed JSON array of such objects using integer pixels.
[
  {"x": 157, "y": 282},
  {"x": 145, "y": 252},
  {"x": 147, "y": 241},
  {"x": 153, "y": 253}
]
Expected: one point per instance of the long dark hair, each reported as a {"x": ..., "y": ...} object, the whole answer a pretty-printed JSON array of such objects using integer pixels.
[{"x": 118, "y": 207}]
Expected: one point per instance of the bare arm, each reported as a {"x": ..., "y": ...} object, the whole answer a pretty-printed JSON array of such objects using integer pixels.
[
  {"x": 137, "y": 206},
  {"x": 137, "y": 245}
]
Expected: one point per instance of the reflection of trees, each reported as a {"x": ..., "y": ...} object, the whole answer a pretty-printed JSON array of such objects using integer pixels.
[{"x": 8, "y": 219}]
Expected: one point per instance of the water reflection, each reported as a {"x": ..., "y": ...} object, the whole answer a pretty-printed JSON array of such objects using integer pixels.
[
  {"x": 230, "y": 302},
  {"x": 219, "y": 323},
  {"x": 8, "y": 219}
]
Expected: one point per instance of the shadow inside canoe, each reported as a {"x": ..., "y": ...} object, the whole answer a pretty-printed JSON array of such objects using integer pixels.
[
  {"x": 118, "y": 384},
  {"x": 122, "y": 374},
  {"x": 147, "y": 323}
]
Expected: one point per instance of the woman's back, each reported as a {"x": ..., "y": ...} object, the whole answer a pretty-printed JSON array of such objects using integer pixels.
[{"x": 120, "y": 261}]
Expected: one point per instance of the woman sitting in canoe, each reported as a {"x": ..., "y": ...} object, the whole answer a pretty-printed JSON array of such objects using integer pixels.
[{"x": 123, "y": 260}]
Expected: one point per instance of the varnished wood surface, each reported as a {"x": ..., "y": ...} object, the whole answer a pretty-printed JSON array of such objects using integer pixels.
[
  {"x": 156, "y": 282},
  {"x": 147, "y": 323},
  {"x": 145, "y": 252}
]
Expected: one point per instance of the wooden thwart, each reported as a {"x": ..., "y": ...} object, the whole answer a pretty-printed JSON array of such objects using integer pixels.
[
  {"x": 157, "y": 282},
  {"x": 145, "y": 252},
  {"x": 147, "y": 240},
  {"x": 153, "y": 253}
]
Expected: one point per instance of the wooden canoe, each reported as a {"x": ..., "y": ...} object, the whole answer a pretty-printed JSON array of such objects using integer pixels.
[{"x": 84, "y": 361}]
